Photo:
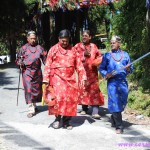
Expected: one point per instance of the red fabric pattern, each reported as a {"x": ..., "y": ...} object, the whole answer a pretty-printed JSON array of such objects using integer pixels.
[
  {"x": 59, "y": 72},
  {"x": 92, "y": 94}
]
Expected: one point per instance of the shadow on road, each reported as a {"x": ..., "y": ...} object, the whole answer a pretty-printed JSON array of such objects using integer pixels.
[
  {"x": 13, "y": 88},
  {"x": 5, "y": 80},
  {"x": 79, "y": 120},
  {"x": 42, "y": 108},
  {"x": 16, "y": 137},
  {"x": 8, "y": 65}
]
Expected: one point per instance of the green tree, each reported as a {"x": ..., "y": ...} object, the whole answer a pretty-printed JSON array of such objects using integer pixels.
[
  {"x": 130, "y": 24},
  {"x": 16, "y": 18}
]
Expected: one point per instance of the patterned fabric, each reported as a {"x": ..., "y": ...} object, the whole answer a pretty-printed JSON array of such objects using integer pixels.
[
  {"x": 59, "y": 72},
  {"x": 117, "y": 85},
  {"x": 92, "y": 94},
  {"x": 32, "y": 73}
]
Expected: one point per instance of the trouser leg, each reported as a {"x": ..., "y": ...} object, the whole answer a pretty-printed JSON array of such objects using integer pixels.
[
  {"x": 85, "y": 108},
  {"x": 66, "y": 120},
  {"x": 58, "y": 118},
  {"x": 95, "y": 109},
  {"x": 117, "y": 117},
  {"x": 112, "y": 121}
]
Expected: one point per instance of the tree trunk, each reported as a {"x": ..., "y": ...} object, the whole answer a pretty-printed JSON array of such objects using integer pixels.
[
  {"x": 12, "y": 46},
  {"x": 46, "y": 30}
]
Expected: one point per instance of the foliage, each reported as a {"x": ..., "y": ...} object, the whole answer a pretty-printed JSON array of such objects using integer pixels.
[
  {"x": 16, "y": 17},
  {"x": 3, "y": 49},
  {"x": 139, "y": 101},
  {"x": 97, "y": 18},
  {"x": 130, "y": 24},
  {"x": 103, "y": 87}
]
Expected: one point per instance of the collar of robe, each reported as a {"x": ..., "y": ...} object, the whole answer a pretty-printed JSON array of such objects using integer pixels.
[{"x": 117, "y": 51}]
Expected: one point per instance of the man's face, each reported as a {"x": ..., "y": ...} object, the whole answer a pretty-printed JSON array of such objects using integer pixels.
[
  {"x": 86, "y": 38},
  {"x": 115, "y": 44},
  {"x": 64, "y": 42},
  {"x": 32, "y": 39}
]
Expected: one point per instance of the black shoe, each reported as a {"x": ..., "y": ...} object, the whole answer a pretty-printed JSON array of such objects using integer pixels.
[{"x": 119, "y": 131}]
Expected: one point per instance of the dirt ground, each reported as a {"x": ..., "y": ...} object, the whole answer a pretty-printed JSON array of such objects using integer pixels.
[{"x": 134, "y": 117}]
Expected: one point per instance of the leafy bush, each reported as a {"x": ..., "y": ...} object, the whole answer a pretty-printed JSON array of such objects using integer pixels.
[{"x": 3, "y": 49}]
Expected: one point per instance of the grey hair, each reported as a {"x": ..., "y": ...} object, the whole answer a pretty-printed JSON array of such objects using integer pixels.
[
  {"x": 64, "y": 33},
  {"x": 31, "y": 32}
]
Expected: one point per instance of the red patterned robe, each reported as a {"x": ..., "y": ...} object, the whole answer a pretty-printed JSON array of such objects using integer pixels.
[
  {"x": 32, "y": 73},
  {"x": 92, "y": 94},
  {"x": 59, "y": 72}
]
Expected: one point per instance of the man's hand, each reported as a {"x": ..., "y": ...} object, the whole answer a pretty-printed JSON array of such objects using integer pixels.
[
  {"x": 21, "y": 63},
  {"x": 108, "y": 75},
  {"x": 128, "y": 67}
]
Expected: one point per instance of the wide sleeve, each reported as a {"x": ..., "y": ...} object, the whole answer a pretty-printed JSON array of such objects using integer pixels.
[
  {"x": 98, "y": 56},
  {"x": 43, "y": 55},
  {"x": 103, "y": 66},
  {"x": 46, "y": 74},
  {"x": 19, "y": 54}
]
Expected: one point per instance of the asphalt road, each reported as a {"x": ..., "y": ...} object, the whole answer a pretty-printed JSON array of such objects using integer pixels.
[{"x": 17, "y": 132}]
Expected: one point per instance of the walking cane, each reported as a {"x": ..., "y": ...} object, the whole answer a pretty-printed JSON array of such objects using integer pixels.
[
  {"x": 21, "y": 57},
  {"x": 18, "y": 85}
]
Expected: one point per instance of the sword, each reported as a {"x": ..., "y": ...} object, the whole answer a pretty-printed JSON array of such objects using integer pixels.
[{"x": 115, "y": 71}]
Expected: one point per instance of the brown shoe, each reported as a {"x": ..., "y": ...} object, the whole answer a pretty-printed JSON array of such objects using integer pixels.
[{"x": 119, "y": 131}]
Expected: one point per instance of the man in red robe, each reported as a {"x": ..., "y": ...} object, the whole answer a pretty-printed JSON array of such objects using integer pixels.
[
  {"x": 91, "y": 58},
  {"x": 59, "y": 77},
  {"x": 29, "y": 60}
]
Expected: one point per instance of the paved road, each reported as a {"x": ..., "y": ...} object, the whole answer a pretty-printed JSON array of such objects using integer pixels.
[{"x": 17, "y": 132}]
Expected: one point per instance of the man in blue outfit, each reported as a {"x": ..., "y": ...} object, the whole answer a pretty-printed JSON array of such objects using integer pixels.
[{"x": 119, "y": 61}]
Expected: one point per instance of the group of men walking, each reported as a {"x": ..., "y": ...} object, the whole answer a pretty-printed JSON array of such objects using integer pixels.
[{"x": 61, "y": 91}]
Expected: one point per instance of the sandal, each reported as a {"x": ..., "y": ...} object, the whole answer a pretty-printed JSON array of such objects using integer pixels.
[
  {"x": 56, "y": 125},
  {"x": 68, "y": 127},
  {"x": 96, "y": 116},
  {"x": 83, "y": 112},
  {"x": 30, "y": 115}
]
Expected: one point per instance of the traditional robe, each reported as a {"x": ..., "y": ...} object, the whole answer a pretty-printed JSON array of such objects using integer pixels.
[
  {"x": 91, "y": 95},
  {"x": 59, "y": 73},
  {"x": 31, "y": 72},
  {"x": 117, "y": 85}
]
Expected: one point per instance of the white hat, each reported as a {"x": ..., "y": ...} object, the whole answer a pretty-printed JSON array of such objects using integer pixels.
[{"x": 116, "y": 38}]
